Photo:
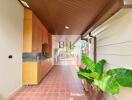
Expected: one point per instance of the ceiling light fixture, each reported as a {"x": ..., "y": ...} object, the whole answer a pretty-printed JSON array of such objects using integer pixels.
[
  {"x": 24, "y": 3},
  {"x": 67, "y": 27}
]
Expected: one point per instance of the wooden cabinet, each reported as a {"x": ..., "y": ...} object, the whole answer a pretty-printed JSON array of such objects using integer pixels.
[
  {"x": 50, "y": 45},
  {"x": 33, "y": 72},
  {"x": 35, "y": 34},
  {"x": 27, "y": 32},
  {"x": 45, "y": 35},
  {"x": 30, "y": 73},
  {"x": 46, "y": 66}
]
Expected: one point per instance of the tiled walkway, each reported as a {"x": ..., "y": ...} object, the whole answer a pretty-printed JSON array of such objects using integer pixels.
[{"x": 61, "y": 83}]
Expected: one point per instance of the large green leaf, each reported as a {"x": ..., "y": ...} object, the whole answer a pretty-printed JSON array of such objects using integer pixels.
[
  {"x": 108, "y": 84},
  {"x": 100, "y": 66},
  {"x": 109, "y": 81},
  {"x": 122, "y": 75},
  {"x": 92, "y": 75},
  {"x": 89, "y": 80},
  {"x": 88, "y": 62},
  {"x": 85, "y": 70}
]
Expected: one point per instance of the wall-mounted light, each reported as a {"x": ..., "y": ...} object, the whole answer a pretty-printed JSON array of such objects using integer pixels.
[{"x": 24, "y": 3}]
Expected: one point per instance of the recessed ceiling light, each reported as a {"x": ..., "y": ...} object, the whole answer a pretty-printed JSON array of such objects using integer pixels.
[
  {"x": 67, "y": 27},
  {"x": 24, "y": 3}
]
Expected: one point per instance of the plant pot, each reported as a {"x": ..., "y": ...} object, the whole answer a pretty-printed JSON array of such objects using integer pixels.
[
  {"x": 85, "y": 85},
  {"x": 93, "y": 92}
]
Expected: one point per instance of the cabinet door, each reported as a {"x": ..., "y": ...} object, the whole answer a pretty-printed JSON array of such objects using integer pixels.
[
  {"x": 45, "y": 35},
  {"x": 45, "y": 67},
  {"x": 40, "y": 76},
  {"x": 27, "y": 32},
  {"x": 29, "y": 73},
  {"x": 36, "y": 35},
  {"x": 50, "y": 45}
]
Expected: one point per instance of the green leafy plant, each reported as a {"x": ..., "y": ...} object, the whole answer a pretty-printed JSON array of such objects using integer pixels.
[
  {"x": 109, "y": 81},
  {"x": 69, "y": 49}
]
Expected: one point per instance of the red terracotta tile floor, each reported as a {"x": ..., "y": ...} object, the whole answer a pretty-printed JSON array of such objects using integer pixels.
[{"x": 61, "y": 83}]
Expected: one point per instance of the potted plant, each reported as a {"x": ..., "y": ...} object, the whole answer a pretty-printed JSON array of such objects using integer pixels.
[{"x": 104, "y": 81}]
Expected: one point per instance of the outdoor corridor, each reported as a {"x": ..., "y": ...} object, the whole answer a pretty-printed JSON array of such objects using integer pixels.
[{"x": 62, "y": 83}]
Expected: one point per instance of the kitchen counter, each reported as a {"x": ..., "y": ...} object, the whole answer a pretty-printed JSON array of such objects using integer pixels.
[{"x": 33, "y": 57}]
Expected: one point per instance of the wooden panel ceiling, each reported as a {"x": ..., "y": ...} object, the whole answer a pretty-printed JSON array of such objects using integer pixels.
[{"x": 77, "y": 14}]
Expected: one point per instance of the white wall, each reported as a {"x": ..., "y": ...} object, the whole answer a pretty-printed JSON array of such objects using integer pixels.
[
  {"x": 114, "y": 43},
  {"x": 11, "y": 29}
]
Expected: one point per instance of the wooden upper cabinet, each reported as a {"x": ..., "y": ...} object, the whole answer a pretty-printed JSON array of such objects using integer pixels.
[
  {"x": 35, "y": 34},
  {"x": 45, "y": 35},
  {"x": 27, "y": 31},
  {"x": 50, "y": 45}
]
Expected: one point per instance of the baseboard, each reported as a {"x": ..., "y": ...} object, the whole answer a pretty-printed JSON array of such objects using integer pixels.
[{"x": 13, "y": 92}]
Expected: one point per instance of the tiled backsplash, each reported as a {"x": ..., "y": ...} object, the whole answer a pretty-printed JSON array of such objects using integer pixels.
[{"x": 33, "y": 57}]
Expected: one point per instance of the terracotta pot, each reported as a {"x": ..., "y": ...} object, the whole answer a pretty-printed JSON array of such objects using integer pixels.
[
  {"x": 85, "y": 85},
  {"x": 93, "y": 92}
]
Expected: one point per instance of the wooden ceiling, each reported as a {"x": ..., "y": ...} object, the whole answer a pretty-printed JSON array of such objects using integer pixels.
[{"x": 79, "y": 15}]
